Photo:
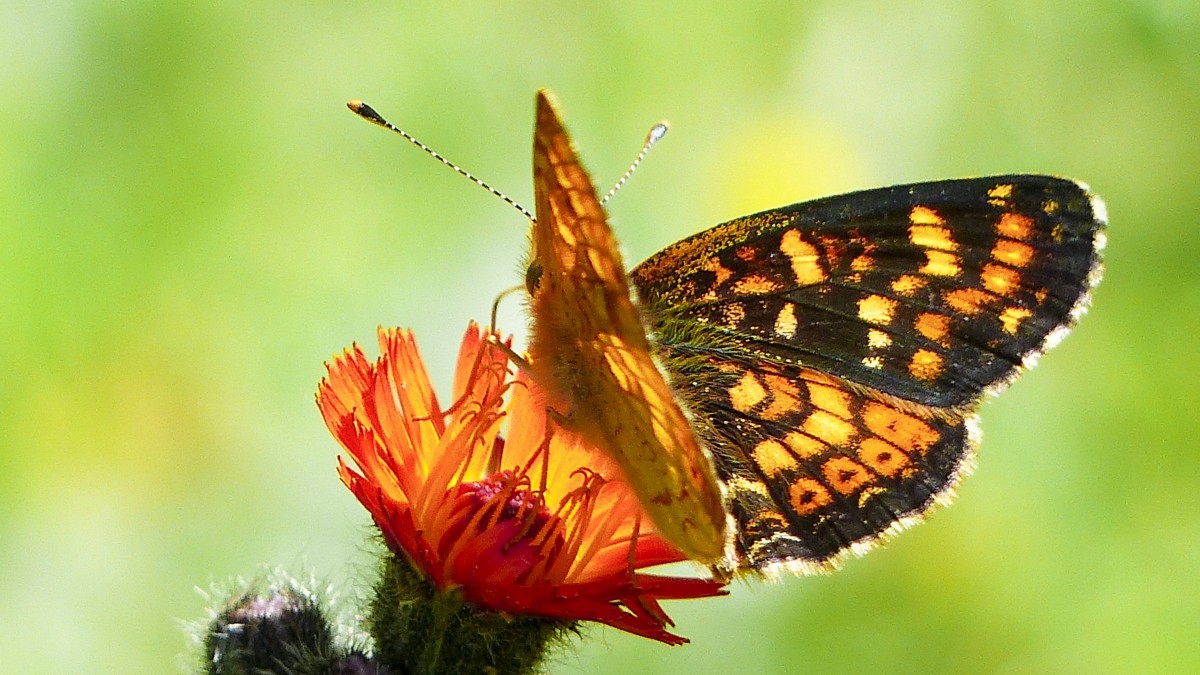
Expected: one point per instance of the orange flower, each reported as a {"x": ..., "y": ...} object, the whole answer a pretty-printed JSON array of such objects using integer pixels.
[{"x": 524, "y": 525}]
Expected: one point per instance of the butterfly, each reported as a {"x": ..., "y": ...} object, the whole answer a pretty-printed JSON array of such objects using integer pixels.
[{"x": 813, "y": 371}]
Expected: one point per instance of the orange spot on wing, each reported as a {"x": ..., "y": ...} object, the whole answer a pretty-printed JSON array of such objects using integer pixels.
[
  {"x": 755, "y": 284},
  {"x": 773, "y": 458},
  {"x": 907, "y": 284},
  {"x": 901, "y": 429},
  {"x": 1012, "y": 253},
  {"x": 1012, "y": 317},
  {"x": 808, "y": 495},
  {"x": 785, "y": 321},
  {"x": 747, "y": 393},
  {"x": 882, "y": 457},
  {"x": 999, "y": 279},
  {"x": 862, "y": 263},
  {"x": 940, "y": 264},
  {"x": 932, "y": 236},
  {"x": 845, "y": 475},
  {"x": 829, "y": 428},
  {"x": 877, "y": 339},
  {"x": 925, "y": 365},
  {"x": 836, "y": 401},
  {"x": 1014, "y": 226},
  {"x": 923, "y": 215},
  {"x": 968, "y": 301},
  {"x": 936, "y": 327},
  {"x": 876, "y": 309},
  {"x": 805, "y": 259},
  {"x": 1001, "y": 191}
]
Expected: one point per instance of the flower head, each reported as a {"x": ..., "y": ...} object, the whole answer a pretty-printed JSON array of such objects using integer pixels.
[{"x": 531, "y": 523}]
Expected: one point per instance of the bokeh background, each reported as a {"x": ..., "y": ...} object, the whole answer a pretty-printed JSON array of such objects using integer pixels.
[{"x": 191, "y": 223}]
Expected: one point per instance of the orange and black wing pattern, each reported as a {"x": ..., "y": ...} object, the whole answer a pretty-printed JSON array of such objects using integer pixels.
[
  {"x": 833, "y": 352},
  {"x": 590, "y": 350}
]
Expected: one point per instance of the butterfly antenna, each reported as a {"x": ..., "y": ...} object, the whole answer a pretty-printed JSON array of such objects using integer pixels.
[
  {"x": 368, "y": 113},
  {"x": 656, "y": 133}
]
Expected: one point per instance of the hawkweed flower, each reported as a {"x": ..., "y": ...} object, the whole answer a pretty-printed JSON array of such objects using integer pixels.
[{"x": 501, "y": 542}]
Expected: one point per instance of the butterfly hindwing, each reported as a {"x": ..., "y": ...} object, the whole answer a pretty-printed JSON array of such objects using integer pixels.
[{"x": 815, "y": 466}]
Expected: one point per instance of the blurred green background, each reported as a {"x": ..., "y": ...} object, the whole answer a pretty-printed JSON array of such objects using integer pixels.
[{"x": 191, "y": 222}]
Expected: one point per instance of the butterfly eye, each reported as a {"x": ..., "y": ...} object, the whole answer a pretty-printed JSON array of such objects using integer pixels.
[{"x": 533, "y": 277}]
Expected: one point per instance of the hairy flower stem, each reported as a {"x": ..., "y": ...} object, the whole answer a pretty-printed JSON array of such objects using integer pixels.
[{"x": 423, "y": 631}]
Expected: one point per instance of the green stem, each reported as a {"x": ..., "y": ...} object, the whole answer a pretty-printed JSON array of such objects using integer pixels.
[{"x": 420, "y": 630}]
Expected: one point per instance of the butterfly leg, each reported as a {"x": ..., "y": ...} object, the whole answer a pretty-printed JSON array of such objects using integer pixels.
[{"x": 503, "y": 294}]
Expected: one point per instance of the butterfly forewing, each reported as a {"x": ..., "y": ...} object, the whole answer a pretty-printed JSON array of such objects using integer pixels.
[
  {"x": 590, "y": 349},
  {"x": 833, "y": 351},
  {"x": 933, "y": 292}
]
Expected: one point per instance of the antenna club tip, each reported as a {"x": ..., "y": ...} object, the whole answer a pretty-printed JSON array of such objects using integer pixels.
[
  {"x": 658, "y": 131},
  {"x": 365, "y": 111}
]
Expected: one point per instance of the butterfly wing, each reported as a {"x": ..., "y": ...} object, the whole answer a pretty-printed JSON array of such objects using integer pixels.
[
  {"x": 589, "y": 349},
  {"x": 816, "y": 467},
  {"x": 915, "y": 299}
]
